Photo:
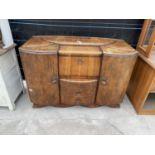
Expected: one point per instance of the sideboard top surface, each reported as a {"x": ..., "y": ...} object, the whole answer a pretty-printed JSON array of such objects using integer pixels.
[{"x": 76, "y": 45}]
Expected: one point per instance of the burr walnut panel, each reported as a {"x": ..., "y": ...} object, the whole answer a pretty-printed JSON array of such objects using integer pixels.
[
  {"x": 78, "y": 92},
  {"x": 67, "y": 70},
  {"x": 41, "y": 74},
  {"x": 79, "y": 66},
  {"x": 114, "y": 78}
]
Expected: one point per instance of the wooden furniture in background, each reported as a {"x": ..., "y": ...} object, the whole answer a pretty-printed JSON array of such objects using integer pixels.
[
  {"x": 147, "y": 38},
  {"x": 67, "y": 70},
  {"x": 11, "y": 84},
  {"x": 141, "y": 88}
]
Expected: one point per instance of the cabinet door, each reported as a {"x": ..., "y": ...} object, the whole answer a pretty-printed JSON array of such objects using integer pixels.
[
  {"x": 114, "y": 77},
  {"x": 41, "y": 72},
  {"x": 78, "y": 92}
]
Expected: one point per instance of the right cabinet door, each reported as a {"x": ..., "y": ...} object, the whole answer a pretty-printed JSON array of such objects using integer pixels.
[{"x": 114, "y": 77}]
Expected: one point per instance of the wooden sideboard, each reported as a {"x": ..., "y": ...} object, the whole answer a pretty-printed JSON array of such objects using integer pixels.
[{"x": 67, "y": 70}]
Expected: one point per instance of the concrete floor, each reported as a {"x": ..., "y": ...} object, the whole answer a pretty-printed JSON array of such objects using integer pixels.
[{"x": 74, "y": 120}]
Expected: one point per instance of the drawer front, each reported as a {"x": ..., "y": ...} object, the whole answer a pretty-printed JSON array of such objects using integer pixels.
[
  {"x": 7, "y": 61},
  {"x": 79, "y": 66},
  {"x": 78, "y": 92}
]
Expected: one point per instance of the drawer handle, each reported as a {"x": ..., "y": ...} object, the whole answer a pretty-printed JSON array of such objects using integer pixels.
[{"x": 80, "y": 60}]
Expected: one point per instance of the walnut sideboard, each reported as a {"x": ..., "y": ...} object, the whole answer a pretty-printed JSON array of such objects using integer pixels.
[{"x": 66, "y": 70}]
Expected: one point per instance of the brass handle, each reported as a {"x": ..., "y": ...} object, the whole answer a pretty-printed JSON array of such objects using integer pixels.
[
  {"x": 80, "y": 61},
  {"x": 55, "y": 79},
  {"x": 103, "y": 80}
]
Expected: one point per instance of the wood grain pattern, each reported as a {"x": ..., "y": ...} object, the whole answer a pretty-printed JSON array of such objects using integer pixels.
[
  {"x": 78, "y": 92},
  {"x": 114, "y": 78},
  {"x": 152, "y": 89},
  {"x": 42, "y": 78},
  {"x": 141, "y": 46},
  {"x": 80, "y": 50},
  {"x": 77, "y": 64},
  {"x": 146, "y": 25},
  {"x": 140, "y": 84}
]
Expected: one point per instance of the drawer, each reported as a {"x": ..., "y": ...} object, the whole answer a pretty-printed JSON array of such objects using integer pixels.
[
  {"x": 79, "y": 66},
  {"x": 7, "y": 61},
  {"x": 78, "y": 92},
  {"x": 79, "y": 61}
]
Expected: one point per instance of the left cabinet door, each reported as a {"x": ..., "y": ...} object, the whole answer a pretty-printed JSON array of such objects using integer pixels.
[{"x": 41, "y": 73}]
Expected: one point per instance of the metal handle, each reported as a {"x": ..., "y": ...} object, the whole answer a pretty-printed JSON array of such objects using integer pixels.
[
  {"x": 55, "y": 79},
  {"x": 80, "y": 61},
  {"x": 103, "y": 80}
]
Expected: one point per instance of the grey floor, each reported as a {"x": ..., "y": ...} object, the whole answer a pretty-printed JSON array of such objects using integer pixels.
[{"x": 74, "y": 120}]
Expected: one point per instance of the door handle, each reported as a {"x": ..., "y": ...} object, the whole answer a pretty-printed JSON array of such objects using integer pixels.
[
  {"x": 55, "y": 79},
  {"x": 103, "y": 80}
]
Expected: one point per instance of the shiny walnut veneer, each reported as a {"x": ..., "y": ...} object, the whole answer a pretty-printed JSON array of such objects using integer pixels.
[{"x": 66, "y": 70}]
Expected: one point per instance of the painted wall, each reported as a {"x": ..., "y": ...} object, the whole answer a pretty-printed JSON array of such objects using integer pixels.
[{"x": 127, "y": 29}]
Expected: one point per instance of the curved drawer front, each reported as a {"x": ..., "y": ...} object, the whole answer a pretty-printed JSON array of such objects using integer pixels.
[{"x": 78, "y": 92}]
